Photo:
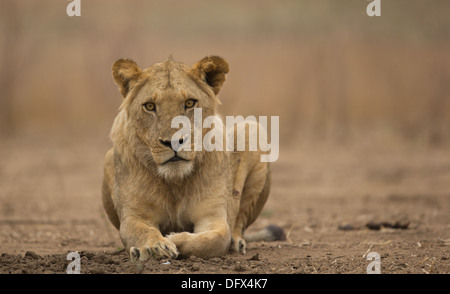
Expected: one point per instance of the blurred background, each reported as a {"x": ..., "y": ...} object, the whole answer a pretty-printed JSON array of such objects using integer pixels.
[
  {"x": 363, "y": 105},
  {"x": 325, "y": 67}
]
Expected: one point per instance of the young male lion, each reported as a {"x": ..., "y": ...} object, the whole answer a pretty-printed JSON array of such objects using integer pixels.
[{"x": 167, "y": 202}]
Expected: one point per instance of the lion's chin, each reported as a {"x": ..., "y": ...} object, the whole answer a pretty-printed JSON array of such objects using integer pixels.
[{"x": 175, "y": 171}]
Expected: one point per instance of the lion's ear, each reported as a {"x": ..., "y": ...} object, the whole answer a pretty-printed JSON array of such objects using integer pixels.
[
  {"x": 125, "y": 73},
  {"x": 212, "y": 70}
]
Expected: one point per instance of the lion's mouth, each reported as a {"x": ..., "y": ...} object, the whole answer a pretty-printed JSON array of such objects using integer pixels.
[{"x": 175, "y": 159}]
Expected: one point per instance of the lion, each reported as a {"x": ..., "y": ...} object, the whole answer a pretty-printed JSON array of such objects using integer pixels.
[{"x": 172, "y": 203}]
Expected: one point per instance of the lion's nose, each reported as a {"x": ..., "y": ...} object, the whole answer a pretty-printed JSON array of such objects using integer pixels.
[{"x": 168, "y": 143}]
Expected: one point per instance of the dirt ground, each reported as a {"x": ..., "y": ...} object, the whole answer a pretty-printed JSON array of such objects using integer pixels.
[{"x": 323, "y": 195}]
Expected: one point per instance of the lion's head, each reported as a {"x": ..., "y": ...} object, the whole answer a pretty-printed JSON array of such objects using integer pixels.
[{"x": 152, "y": 98}]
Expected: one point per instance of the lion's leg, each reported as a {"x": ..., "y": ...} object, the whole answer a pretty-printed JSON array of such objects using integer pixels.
[
  {"x": 108, "y": 184},
  {"x": 108, "y": 205},
  {"x": 205, "y": 243},
  {"x": 254, "y": 196},
  {"x": 144, "y": 241},
  {"x": 211, "y": 236}
]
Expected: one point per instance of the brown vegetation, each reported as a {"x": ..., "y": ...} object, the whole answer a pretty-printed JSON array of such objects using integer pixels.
[{"x": 325, "y": 69}]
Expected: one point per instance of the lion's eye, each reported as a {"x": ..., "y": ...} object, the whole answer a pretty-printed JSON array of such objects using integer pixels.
[
  {"x": 149, "y": 106},
  {"x": 190, "y": 103}
]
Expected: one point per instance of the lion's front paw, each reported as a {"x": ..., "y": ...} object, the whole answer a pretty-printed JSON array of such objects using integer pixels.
[{"x": 157, "y": 250}]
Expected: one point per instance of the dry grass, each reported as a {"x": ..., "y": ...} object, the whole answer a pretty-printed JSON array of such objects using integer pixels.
[{"x": 326, "y": 68}]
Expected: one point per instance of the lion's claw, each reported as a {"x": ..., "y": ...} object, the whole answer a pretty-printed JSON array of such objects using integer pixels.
[{"x": 134, "y": 253}]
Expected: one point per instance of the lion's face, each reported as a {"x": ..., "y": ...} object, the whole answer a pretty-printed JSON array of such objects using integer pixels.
[{"x": 158, "y": 94}]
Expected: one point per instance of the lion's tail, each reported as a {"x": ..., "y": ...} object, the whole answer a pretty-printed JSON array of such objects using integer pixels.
[{"x": 269, "y": 233}]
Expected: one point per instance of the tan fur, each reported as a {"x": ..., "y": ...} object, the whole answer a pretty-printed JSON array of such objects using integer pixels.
[{"x": 198, "y": 206}]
